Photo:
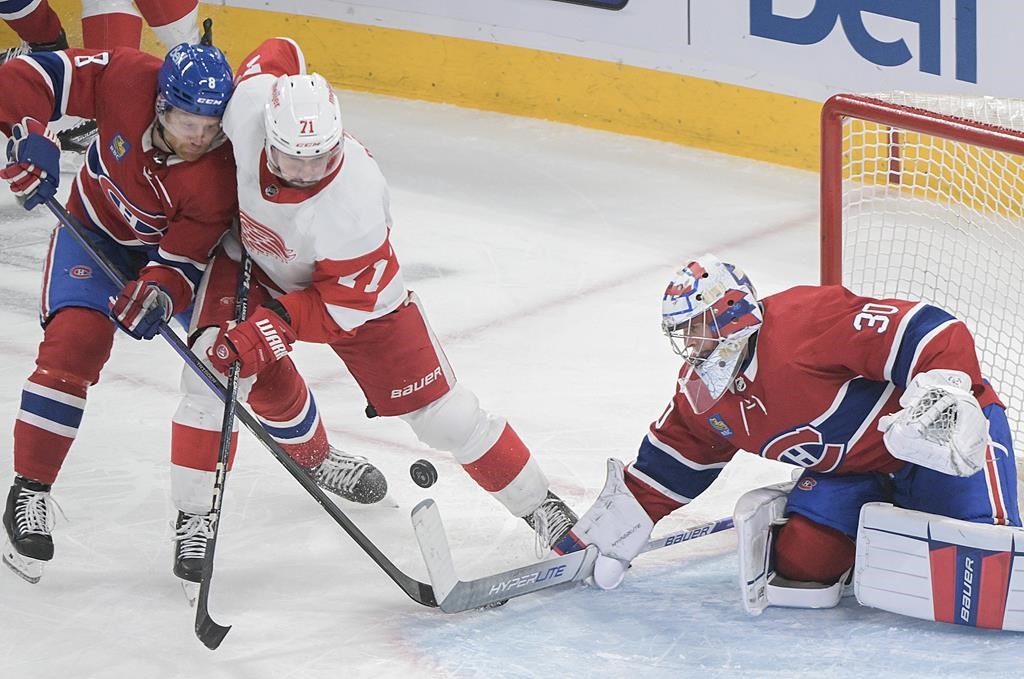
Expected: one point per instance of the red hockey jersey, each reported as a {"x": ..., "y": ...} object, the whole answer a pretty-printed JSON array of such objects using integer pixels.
[
  {"x": 127, "y": 189},
  {"x": 825, "y": 366}
]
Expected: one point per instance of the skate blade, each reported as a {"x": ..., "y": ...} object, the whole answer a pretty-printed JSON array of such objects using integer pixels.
[
  {"x": 386, "y": 501},
  {"x": 191, "y": 590},
  {"x": 29, "y": 570}
]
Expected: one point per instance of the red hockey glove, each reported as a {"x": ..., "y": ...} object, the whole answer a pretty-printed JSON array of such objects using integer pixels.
[
  {"x": 257, "y": 342},
  {"x": 141, "y": 308},
  {"x": 33, "y": 163}
]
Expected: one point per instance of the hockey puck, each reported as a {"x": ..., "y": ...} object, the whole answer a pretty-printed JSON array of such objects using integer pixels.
[{"x": 423, "y": 473}]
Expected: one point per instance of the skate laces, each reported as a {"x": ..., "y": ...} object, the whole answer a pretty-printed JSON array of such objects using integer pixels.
[
  {"x": 550, "y": 522},
  {"x": 13, "y": 52},
  {"x": 192, "y": 536},
  {"x": 33, "y": 512},
  {"x": 341, "y": 471}
]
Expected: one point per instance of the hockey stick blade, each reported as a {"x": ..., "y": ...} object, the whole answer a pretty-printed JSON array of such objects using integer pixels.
[
  {"x": 208, "y": 631},
  {"x": 455, "y": 596}
]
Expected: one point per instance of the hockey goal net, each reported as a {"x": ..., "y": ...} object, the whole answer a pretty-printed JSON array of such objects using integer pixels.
[{"x": 922, "y": 197}]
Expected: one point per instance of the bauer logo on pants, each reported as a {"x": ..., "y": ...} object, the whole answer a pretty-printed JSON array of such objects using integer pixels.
[{"x": 418, "y": 384}]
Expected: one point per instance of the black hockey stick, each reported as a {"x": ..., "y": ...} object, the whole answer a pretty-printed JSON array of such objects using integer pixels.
[
  {"x": 420, "y": 592},
  {"x": 208, "y": 631}
]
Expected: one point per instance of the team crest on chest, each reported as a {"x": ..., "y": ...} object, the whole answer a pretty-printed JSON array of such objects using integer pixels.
[
  {"x": 261, "y": 239},
  {"x": 119, "y": 146}
]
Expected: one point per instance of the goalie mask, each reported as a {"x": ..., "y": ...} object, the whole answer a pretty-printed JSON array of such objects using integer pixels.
[
  {"x": 304, "y": 134},
  {"x": 709, "y": 312}
]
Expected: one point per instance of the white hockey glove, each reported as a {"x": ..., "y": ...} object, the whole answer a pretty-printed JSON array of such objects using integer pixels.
[
  {"x": 617, "y": 525},
  {"x": 941, "y": 425}
]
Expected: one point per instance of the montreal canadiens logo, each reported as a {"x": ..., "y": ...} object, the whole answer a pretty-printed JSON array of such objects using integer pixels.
[
  {"x": 264, "y": 240},
  {"x": 222, "y": 352},
  {"x": 807, "y": 484},
  {"x": 805, "y": 446},
  {"x": 80, "y": 272},
  {"x": 148, "y": 227}
]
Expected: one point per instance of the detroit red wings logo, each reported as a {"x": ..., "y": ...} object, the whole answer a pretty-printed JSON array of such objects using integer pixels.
[{"x": 262, "y": 239}]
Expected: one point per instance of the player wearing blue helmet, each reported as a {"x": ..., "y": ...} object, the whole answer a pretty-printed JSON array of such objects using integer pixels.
[
  {"x": 156, "y": 192},
  {"x": 195, "y": 83}
]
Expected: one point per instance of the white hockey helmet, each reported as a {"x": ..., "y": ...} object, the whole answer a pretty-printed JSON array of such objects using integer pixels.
[
  {"x": 709, "y": 312},
  {"x": 304, "y": 135}
]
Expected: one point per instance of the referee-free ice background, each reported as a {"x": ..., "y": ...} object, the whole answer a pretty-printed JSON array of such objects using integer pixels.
[{"x": 541, "y": 252}]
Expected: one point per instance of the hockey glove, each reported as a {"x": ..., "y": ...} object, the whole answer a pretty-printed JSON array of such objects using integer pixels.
[
  {"x": 941, "y": 425},
  {"x": 33, "y": 163},
  {"x": 256, "y": 342},
  {"x": 617, "y": 525},
  {"x": 141, "y": 308}
]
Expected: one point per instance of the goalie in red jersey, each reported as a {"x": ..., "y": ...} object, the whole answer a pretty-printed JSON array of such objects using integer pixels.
[{"x": 873, "y": 400}]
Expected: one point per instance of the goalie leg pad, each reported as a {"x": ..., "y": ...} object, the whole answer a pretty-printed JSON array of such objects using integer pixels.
[
  {"x": 757, "y": 513},
  {"x": 937, "y": 568}
]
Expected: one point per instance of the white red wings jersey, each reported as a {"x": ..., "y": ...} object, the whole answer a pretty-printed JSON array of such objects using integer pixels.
[
  {"x": 326, "y": 247},
  {"x": 133, "y": 192},
  {"x": 825, "y": 366}
]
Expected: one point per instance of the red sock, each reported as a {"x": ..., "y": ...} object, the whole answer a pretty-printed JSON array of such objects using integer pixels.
[
  {"x": 106, "y": 31},
  {"x": 806, "y": 551},
  {"x": 41, "y": 25}
]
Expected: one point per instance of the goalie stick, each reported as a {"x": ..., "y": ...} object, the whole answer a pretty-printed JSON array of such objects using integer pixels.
[
  {"x": 455, "y": 596},
  {"x": 420, "y": 592}
]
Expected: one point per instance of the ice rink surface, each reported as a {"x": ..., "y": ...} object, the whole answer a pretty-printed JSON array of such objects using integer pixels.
[{"x": 541, "y": 252}]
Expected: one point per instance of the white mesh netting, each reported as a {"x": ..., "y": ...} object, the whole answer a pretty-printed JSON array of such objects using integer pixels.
[{"x": 931, "y": 218}]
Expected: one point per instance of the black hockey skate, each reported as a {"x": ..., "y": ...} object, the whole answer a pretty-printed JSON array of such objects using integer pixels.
[
  {"x": 192, "y": 532},
  {"x": 552, "y": 521},
  {"x": 61, "y": 43},
  {"x": 28, "y": 521},
  {"x": 351, "y": 477}
]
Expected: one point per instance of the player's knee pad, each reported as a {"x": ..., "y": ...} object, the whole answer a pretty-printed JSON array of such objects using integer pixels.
[
  {"x": 76, "y": 345},
  {"x": 456, "y": 423}
]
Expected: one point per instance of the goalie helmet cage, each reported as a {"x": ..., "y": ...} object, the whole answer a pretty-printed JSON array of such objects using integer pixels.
[{"x": 922, "y": 197}]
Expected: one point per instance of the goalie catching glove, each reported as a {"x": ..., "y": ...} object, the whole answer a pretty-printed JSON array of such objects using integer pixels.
[
  {"x": 941, "y": 425},
  {"x": 617, "y": 525},
  {"x": 256, "y": 342}
]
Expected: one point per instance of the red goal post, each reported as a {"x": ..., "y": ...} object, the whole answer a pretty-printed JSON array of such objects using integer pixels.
[{"x": 922, "y": 197}]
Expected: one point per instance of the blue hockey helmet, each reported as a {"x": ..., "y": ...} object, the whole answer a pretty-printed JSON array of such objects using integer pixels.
[{"x": 196, "y": 79}]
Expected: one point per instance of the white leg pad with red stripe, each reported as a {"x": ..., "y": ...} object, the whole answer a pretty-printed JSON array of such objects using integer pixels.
[{"x": 937, "y": 568}]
